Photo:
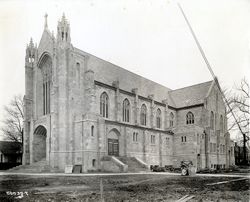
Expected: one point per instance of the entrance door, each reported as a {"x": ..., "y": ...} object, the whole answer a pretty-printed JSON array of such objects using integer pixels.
[{"x": 113, "y": 147}]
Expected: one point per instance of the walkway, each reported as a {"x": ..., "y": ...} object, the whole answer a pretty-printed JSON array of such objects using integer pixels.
[{"x": 121, "y": 174}]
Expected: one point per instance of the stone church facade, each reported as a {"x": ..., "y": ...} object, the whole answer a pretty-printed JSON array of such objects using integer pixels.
[{"x": 81, "y": 110}]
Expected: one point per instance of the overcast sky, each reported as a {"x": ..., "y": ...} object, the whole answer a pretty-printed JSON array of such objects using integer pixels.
[{"x": 147, "y": 37}]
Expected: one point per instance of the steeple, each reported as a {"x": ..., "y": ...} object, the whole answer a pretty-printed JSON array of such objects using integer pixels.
[{"x": 63, "y": 30}]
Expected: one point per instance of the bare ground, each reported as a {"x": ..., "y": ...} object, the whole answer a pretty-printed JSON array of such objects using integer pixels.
[{"x": 122, "y": 188}]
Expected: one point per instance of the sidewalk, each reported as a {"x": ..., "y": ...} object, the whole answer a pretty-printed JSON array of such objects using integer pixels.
[{"x": 121, "y": 174}]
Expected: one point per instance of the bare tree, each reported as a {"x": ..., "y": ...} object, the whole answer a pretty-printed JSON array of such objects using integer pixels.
[
  {"x": 13, "y": 120},
  {"x": 239, "y": 103}
]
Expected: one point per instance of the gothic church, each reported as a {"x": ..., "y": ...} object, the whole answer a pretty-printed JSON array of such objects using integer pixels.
[{"x": 83, "y": 110}]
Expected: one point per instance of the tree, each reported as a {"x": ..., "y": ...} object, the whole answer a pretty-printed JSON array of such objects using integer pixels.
[
  {"x": 239, "y": 104},
  {"x": 13, "y": 120}
]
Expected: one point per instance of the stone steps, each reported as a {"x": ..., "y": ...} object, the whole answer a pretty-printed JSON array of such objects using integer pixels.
[
  {"x": 37, "y": 167},
  {"x": 133, "y": 164}
]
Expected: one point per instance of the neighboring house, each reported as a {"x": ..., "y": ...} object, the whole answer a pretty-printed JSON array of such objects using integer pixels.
[
  {"x": 239, "y": 155},
  {"x": 80, "y": 109},
  {"x": 10, "y": 154}
]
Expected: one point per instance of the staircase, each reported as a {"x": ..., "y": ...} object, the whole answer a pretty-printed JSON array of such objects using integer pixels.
[
  {"x": 37, "y": 167},
  {"x": 133, "y": 164}
]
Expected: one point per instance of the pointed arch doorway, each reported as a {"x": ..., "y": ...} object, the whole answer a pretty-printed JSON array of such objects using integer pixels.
[
  {"x": 113, "y": 142},
  {"x": 39, "y": 143}
]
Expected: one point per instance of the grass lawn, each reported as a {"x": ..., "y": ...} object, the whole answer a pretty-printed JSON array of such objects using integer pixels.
[{"x": 121, "y": 188}]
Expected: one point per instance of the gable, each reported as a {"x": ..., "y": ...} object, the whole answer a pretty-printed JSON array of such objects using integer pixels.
[
  {"x": 191, "y": 95},
  {"x": 215, "y": 101},
  {"x": 46, "y": 43}
]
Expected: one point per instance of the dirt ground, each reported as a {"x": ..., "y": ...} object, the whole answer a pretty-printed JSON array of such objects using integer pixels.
[{"x": 122, "y": 188}]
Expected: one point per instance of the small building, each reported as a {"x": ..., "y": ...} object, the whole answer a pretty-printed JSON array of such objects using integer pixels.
[{"x": 10, "y": 154}]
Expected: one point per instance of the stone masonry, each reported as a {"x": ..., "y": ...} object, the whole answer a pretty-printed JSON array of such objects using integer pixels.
[{"x": 80, "y": 109}]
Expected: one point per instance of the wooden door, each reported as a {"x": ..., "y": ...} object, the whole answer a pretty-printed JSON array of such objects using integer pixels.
[{"x": 113, "y": 147}]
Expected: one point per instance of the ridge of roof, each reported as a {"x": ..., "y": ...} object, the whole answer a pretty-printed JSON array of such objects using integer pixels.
[{"x": 194, "y": 85}]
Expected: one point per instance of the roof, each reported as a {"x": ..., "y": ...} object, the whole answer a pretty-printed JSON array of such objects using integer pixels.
[
  {"x": 107, "y": 73},
  {"x": 183, "y": 97},
  {"x": 7, "y": 147},
  {"x": 190, "y": 95}
]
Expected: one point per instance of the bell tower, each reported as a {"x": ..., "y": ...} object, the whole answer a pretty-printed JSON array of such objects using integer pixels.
[{"x": 30, "y": 63}]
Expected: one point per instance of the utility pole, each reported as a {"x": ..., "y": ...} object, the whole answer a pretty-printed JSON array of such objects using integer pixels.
[{"x": 216, "y": 81}]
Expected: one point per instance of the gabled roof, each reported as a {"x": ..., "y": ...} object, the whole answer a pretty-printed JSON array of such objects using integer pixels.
[
  {"x": 7, "y": 147},
  {"x": 190, "y": 95}
]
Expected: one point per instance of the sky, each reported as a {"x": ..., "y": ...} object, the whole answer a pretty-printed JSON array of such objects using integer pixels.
[{"x": 147, "y": 37}]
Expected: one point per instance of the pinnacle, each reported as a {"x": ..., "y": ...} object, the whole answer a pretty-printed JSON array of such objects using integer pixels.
[
  {"x": 31, "y": 43},
  {"x": 46, "y": 21}
]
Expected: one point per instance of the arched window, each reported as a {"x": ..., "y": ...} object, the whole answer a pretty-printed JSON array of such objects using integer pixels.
[
  {"x": 158, "y": 118},
  {"x": 46, "y": 68},
  {"x": 125, "y": 110},
  {"x": 221, "y": 124},
  {"x": 190, "y": 118},
  {"x": 171, "y": 120},
  {"x": 92, "y": 131},
  {"x": 78, "y": 75},
  {"x": 104, "y": 105},
  {"x": 212, "y": 120},
  {"x": 143, "y": 115},
  {"x": 93, "y": 162}
]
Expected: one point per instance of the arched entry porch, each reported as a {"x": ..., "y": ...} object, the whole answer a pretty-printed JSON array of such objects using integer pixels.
[
  {"x": 39, "y": 143},
  {"x": 113, "y": 142}
]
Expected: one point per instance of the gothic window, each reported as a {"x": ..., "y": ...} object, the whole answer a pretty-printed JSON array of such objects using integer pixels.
[
  {"x": 125, "y": 110},
  {"x": 143, "y": 115},
  {"x": 212, "y": 120},
  {"x": 152, "y": 139},
  {"x": 221, "y": 124},
  {"x": 183, "y": 139},
  {"x": 104, "y": 105},
  {"x": 158, "y": 118},
  {"x": 46, "y": 68},
  {"x": 167, "y": 141},
  {"x": 92, "y": 131},
  {"x": 190, "y": 118},
  {"x": 93, "y": 162},
  {"x": 78, "y": 73},
  {"x": 171, "y": 120},
  {"x": 135, "y": 137}
]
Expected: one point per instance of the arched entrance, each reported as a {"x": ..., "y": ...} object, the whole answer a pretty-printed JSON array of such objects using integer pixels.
[
  {"x": 113, "y": 142},
  {"x": 39, "y": 143}
]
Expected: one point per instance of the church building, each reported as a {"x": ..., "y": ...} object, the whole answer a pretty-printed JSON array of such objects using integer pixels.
[{"x": 83, "y": 110}]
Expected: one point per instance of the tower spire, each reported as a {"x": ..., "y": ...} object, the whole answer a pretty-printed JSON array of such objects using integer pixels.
[
  {"x": 63, "y": 30},
  {"x": 46, "y": 21}
]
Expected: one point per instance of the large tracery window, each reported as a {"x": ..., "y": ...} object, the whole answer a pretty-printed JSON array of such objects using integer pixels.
[
  {"x": 158, "y": 118},
  {"x": 104, "y": 105},
  {"x": 46, "y": 68},
  {"x": 143, "y": 115},
  {"x": 190, "y": 118},
  {"x": 125, "y": 110}
]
